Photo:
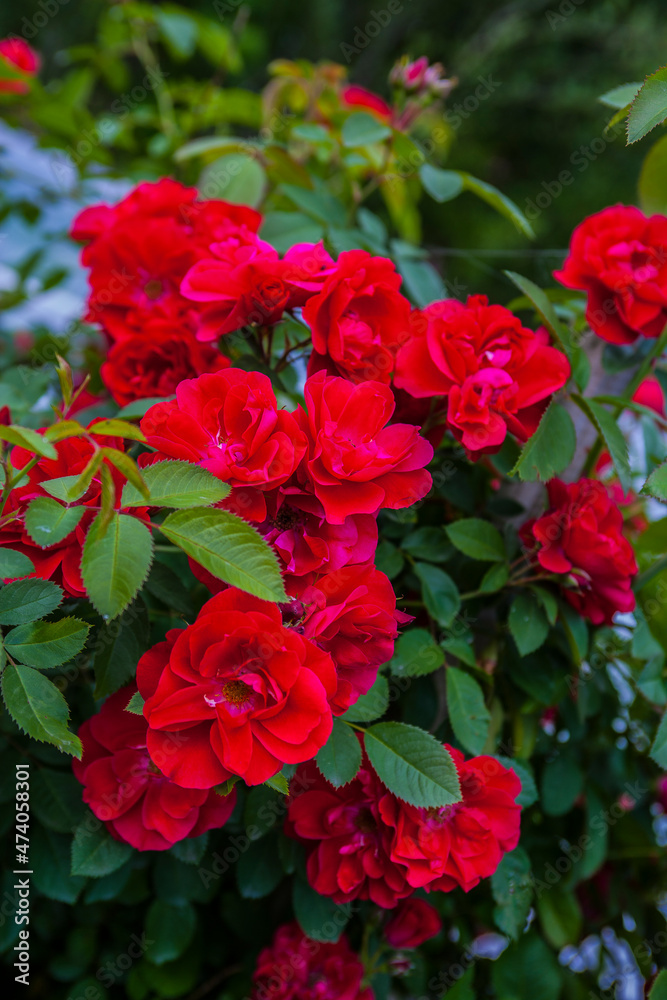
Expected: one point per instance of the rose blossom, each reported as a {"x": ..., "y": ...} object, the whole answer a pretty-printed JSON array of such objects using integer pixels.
[
  {"x": 123, "y": 787},
  {"x": 15, "y": 52},
  {"x": 355, "y": 464},
  {"x": 367, "y": 844},
  {"x": 139, "y": 251},
  {"x": 412, "y": 922},
  {"x": 619, "y": 257},
  {"x": 294, "y": 967},
  {"x": 230, "y": 424},
  {"x": 235, "y": 694},
  {"x": 581, "y": 537},
  {"x": 496, "y": 374},
  {"x": 243, "y": 280},
  {"x": 359, "y": 319},
  {"x": 154, "y": 363},
  {"x": 351, "y": 613}
]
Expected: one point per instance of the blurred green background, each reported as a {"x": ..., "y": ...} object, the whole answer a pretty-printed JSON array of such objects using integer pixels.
[{"x": 547, "y": 62}]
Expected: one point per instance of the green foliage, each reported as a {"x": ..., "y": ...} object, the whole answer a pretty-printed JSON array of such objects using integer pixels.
[
  {"x": 415, "y": 654},
  {"x": 38, "y": 707},
  {"x": 513, "y": 893},
  {"x": 649, "y": 106},
  {"x": 412, "y": 764},
  {"x": 371, "y": 705},
  {"x": 551, "y": 448},
  {"x": 94, "y": 851},
  {"x": 28, "y": 600},
  {"x": 48, "y": 522},
  {"x": 115, "y": 563},
  {"x": 469, "y": 716},
  {"x": 47, "y": 644},
  {"x": 340, "y": 757},
  {"x": 176, "y": 484},
  {"x": 477, "y": 539}
]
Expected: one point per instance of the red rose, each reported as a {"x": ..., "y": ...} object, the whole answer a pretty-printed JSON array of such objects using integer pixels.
[
  {"x": 371, "y": 845},
  {"x": 355, "y": 464},
  {"x": 413, "y": 922},
  {"x": 306, "y": 543},
  {"x": 351, "y": 614},
  {"x": 60, "y": 562},
  {"x": 16, "y": 53},
  {"x": 295, "y": 967},
  {"x": 496, "y": 374},
  {"x": 235, "y": 693},
  {"x": 619, "y": 257},
  {"x": 460, "y": 844},
  {"x": 140, "y": 250},
  {"x": 243, "y": 280},
  {"x": 359, "y": 319},
  {"x": 229, "y": 423},
  {"x": 349, "y": 842},
  {"x": 650, "y": 393},
  {"x": 581, "y": 536},
  {"x": 123, "y": 787},
  {"x": 155, "y": 362}
]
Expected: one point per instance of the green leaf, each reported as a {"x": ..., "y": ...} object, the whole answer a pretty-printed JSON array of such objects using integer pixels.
[
  {"x": 440, "y": 593},
  {"x": 179, "y": 31},
  {"x": 442, "y": 185},
  {"x": 176, "y": 484},
  {"x": 56, "y": 799},
  {"x": 117, "y": 648},
  {"x": 371, "y": 705},
  {"x": 496, "y": 199},
  {"x": 362, "y": 129},
  {"x": 576, "y": 631},
  {"x": 48, "y": 522},
  {"x": 94, "y": 851},
  {"x": 318, "y": 916},
  {"x": 190, "y": 851},
  {"x": 649, "y": 107},
  {"x": 495, "y": 578},
  {"x": 547, "y": 314},
  {"x": 652, "y": 188},
  {"x": 477, "y": 539},
  {"x": 119, "y": 428},
  {"x": 512, "y": 890},
  {"x": 229, "y": 548},
  {"x": 47, "y": 644},
  {"x": 50, "y": 857},
  {"x": 656, "y": 484},
  {"x": 611, "y": 434},
  {"x": 278, "y": 783},
  {"x": 468, "y": 714},
  {"x": 619, "y": 97},
  {"x": 236, "y": 177},
  {"x": 412, "y": 764},
  {"x": 551, "y": 448},
  {"x": 340, "y": 757},
  {"x": 416, "y": 654},
  {"x": 389, "y": 560},
  {"x": 658, "y": 750},
  {"x": 26, "y": 438},
  {"x": 421, "y": 280},
  {"x": 136, "y": 704},
  {"x": 560, "y": 917},
  {"x": 139, "y": 407},
  {"x": 115, "y": 562},
  {"x": 258, "y": 870},
  {"x": 71, "y": 488},
  {"x": 527, "y": 622},
  {"x": 169, "y": 929},
  {"x": 14, "y": 565},
  {"x": 319, "y": 205},
  {"x": 659, "y": 988},
  {"x": 527, "y": 969},
  {"x": 28, "y": 600},
  {"x": 460, "y": 648},
  {"x": 427, "y": 543},
  {"x": 528, "y": 795},
  {"x": 548, "y": 601},
  {"x": 38, "y": 708},
  {"x": 561, "y": 785}
]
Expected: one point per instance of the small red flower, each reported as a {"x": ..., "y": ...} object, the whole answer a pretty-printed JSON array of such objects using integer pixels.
[
  {"x": 295, "y": 967},
  {"x": 619, "y": 257},
  {"x": 123, "y": 787},
  {"x": 367, "y": 844},
  {"x": 496, "y": 374},
  {"x": 351, "y": 613},
  {"x": 359, "y": 319},
  {"x": 581, "y": 538},
  {"x": 355, "y": 97},
  {"x": 235, "y": 694},
  {"x": 17, "y": 53},
  {"x": 355, "y": 464},
  {"x": 230, "y": 424},
  {"x": 651, "y": 394},
  {"x": 140, "y": 250},
  {"x": 413, "y": 922},
  {"x": 243, "y": 280},
  {"x": 155, "y": 362}
]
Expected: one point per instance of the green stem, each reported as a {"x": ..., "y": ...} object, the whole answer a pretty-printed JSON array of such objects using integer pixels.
[
  {"x": 149, "y": 61},
  {"x": 13, "y": 480}
]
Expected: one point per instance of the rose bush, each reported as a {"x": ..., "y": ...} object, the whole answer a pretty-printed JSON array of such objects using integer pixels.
[{"x": 331, "y": 602}]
